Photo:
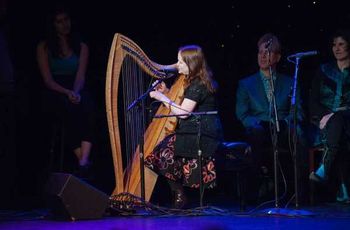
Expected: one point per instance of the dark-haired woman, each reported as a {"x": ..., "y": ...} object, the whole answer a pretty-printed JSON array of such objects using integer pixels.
[{"x": 63, "y": 58}]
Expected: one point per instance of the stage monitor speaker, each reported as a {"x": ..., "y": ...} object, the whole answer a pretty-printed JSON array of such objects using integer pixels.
[{"x": 71, "y": 198}]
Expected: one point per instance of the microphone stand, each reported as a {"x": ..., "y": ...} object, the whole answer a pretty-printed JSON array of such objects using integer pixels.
[
  {"x": 294, "y": 109},
  {"x": 141, "y": 135},
  {"x": 277, "y": 210},
  {"x": 276, "y": 130},
  {"x": 198, "y": 116},
  {"x": 274, "y": 136},
  {"x": 294, "y": 112}
]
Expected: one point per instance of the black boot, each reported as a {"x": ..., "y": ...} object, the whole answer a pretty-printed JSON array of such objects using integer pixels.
[
  {"x": 179, "y": 194},
  {"x": 179, "y": 199}
]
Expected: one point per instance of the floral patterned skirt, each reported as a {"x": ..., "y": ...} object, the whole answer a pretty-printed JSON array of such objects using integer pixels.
[{"x": 184, "y": 170}]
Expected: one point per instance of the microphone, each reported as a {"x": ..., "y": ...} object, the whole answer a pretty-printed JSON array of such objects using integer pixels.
[
  {"x": 169, "y": 72},
  {"x": 153, "y": 85},
  {"x": 268, "y": 43},
  {"x": 169, "y": 75},
  {"x": 160, "y": 80},
  {"x": 303, "y": 54}
]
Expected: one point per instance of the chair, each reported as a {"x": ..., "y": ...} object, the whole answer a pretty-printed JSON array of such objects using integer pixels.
[{"x": 235, "y": 157}]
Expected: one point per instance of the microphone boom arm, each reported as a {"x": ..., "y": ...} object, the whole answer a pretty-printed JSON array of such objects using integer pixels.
[{"x": 302, "y": 54}]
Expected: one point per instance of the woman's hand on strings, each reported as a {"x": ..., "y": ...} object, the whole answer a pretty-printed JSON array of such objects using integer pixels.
[
  {"x": 161, "y": 87},
  {"x": 159, "y": 96}
]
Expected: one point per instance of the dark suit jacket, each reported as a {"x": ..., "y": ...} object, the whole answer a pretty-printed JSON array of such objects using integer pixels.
[{"x": 252, "y": 104}]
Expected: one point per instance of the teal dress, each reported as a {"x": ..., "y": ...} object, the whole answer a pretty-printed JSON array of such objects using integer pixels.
[{"x": 63, "y": 70}]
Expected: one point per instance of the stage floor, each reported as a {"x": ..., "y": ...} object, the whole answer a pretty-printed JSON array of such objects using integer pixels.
[{"x": 325, "y": 216}]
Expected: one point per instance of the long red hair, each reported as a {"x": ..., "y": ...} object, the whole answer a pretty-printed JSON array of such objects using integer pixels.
[{"x": 194, "y": 57}]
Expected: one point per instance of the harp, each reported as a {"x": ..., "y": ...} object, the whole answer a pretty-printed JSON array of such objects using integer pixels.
[{"x": 128, "y": 66}]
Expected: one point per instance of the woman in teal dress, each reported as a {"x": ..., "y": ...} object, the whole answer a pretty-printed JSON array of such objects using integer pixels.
[{"x": 62, "y": 58}]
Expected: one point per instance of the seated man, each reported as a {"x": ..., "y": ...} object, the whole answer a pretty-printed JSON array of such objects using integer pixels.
[{"x": 255, "y": 109}]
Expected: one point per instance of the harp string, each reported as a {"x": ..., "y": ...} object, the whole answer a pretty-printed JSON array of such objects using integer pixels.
[{"x": 133, "y": 83}]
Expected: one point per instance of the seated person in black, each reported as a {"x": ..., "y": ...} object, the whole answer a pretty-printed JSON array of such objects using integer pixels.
[{"x": 176, "y": 157}]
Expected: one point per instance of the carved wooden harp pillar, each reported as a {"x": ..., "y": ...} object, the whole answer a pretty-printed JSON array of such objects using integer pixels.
[{"x": 128, "y": 67}]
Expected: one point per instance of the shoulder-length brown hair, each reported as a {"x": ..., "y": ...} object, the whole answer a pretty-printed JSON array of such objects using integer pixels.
[{"x": 194, "y": 57}]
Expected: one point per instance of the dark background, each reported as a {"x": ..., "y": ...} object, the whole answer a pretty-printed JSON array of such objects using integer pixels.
[{"x": 227, "y": 30}]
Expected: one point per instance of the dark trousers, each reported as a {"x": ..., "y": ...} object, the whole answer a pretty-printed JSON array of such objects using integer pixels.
[
  {"x": 336, "y": 135},
  {"x": 337, "y": 129},
  {"x": 78, "y": 119}
]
